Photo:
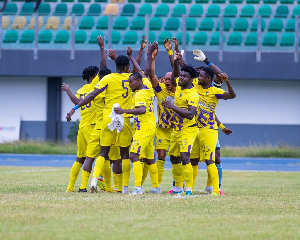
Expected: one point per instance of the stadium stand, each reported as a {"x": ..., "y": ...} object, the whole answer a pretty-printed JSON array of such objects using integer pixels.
[
  {"x": 200, "y": 38},
  {"x": 145, "y": 9},
  {"x": 138, "y": 23},
  {"x": 128, "y": 10},
  {"x": 61, "y": 9},
  {"x": 102, "y": 23},
  {"x": 80, "y": 37},
  {"x": 27, "y": 36},
  {"x": 44, "y": 9},
  {"x": 196, "y": 11},
  {"x": 45, "y": 36},
  {"x": 10, "y": 9},
  {"x": 11, "y": 36},
  {"x": 68, "y": 23},
  {"x": 53, "y": 23},
  {"x": 5, "y": 22},
  {"x": 19, "y": 22},
  {"x": 87, "y": 22},
  {"x": 121, "y": 23},
  {"x": 27, "y": 9},
  {"x": 111, "y": 8},
  {"x": 94, "y": 35},
  {"x": 94, "y": 10},
  {"x": 62, "y": 37},
  {"x": 32, "y": 22},
  {"x": 78, "y": 9},
  {"x": 131, "y": 37}
]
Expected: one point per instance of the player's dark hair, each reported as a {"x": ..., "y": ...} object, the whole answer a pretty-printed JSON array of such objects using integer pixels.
[
  {"x": 209, "y": 72},
  {"x": 122, "y": 61},
  {"x": 104, "y": 71},
  {"x": 90, "y": 71},
  {"x": 137, "y": 75},
  {"x": 190, "y": 69}
]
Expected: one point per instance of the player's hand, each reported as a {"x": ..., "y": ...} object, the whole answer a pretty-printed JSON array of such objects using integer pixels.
[
  {"x": 199, "y": 55},
  {"x": 178, "y": 56},
  {"x": 152, "y": 47},
  {"x": 162, "y": 80},
  {"x": 100, "y": 40},
  {"x": 144, "y": 42},
  {"x": 154, "y": 54},
  {"x": 167, "y": 104},
  {"x": 167, "y": 44},
  {"x": 112, "y": 54},
  {"x": 176, "y": 44},
  {"x": 65, "y": 87},
  {"x": 129, "y": 52},
  {"x": 224, "y": 77},
  {"x": 69, "y": 115},
  {"x": 118, "y": 110},
  {"x": 227, "y": 131}
]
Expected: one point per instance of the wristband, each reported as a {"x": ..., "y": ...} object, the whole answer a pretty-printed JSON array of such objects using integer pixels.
[
  {"x": 76, "y": 107},
  {"x": 207, "y": 61},
  {"x": 170, "y": 52},
  {"x": 209, "y": 64},
  {"x": 221, "y": 126},
  {"x": 217, "y": 84}
]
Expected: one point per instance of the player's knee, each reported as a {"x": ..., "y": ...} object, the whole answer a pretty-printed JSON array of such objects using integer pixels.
[
  {"x": 117, "y": 166},
  {"x": 80, "y": 160},
  {"x": 124, "y": 152},
  {"x": 185, "y": 158},
  {"x": 104, "y": 152},
  {"x": 194, "y": 161},
  {"x": 134, "y": 157},
  {"x": 208, "y": 162},
  {"x": 174, "y": 160},
  {"x": 161, "y": 154}
]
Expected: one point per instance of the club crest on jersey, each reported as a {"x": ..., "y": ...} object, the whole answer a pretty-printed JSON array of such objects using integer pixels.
[
  {"x": 206, "y": 93},
  {"x": 159, "y": 141},
  {"x": 180, "y": 95}
]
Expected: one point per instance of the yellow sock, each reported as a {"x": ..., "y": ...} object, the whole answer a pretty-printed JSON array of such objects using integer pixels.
[
  {"x": 188, "y": 175},
  {"x": 126, "y": 167},
  {"x": 160, "y": 168},
  {"x": 145, "y": 172},
  {"x": 85, "y": 178},
  {"x": 98, "y": 166},
  {"x": 73, "y": 175},
  {"x": 106, "y": 173},
  {"x": 115, "y": 183},
  {"x": 214, "y": 176},
  {"x": 177, "y": 174},
  {"x": 209, "y": 180},
  {"x": 138, "y": 173},
  {"x": 119, "y": 178},
  {"x": 195, "y": 174},
  {"x": 153, "y": 175}
]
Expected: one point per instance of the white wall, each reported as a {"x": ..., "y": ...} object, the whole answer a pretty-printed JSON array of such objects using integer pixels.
[
  {"x": 24, "y": 96},
  {"x": 262, "y": 102}
]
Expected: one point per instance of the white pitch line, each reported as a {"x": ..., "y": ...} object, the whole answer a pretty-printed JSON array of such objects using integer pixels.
[{"x": 40, "y": 170}]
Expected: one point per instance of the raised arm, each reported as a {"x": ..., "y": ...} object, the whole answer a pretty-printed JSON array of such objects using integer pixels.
[
  {"x": 136, "y": 66},
  {"x": 138, "y": 58},
  {"x": 151, "y": 49},
  {"x": 73, "y": 98},
  {"x": 101, "y": 44},
  {"x": 231, "y": 93},
  {"x": 176, "y": 48},
  {"x": 176, "y": 71},
  {"x": 153, "y": 77},
  {"x": 168, "y": 47},
  {"x": 111, "y": 53}
]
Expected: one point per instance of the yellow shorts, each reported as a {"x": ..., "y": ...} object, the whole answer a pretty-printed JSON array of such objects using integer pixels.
[
  {"x": 182, "y": 141},
  {"x": 121, "y": 139},
  {"x": 195, "y": 153},
  {"x": 206, "y": 144},
  {"x": 93, "y": 148},
  {"x": 114, "y": 153},
  {"x": 83, "y": 137},
  {"x": 143, "y": 143},
  {"x": 163, "y": 138}
]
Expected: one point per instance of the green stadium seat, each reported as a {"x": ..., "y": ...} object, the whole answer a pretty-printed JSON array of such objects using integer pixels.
[
  {"x": 134, "y": 1},
  {"x": 207, "y": 24},
  {"x": 191, "y": 24},
  {"x": 80, "y": 37},
  {"x": 235, "y": 39},
  {"x": 252, "y": 1},
  {"x": 44, "y": 9},
  {"x": 196, "y": 11},
  {"x": 241, "y": 24},
  {"x": 128, "y": 10},
  {"x": 230, "y": 11},
  {"x": 138, "y": 23},
  {"x": 254, "y": 25},
  {"x": 102, "y": 23},
  {"x": 185, "y": 1},
  {"x": 87, "y": 22},
  {"x": 121, "y": 23},
  {"x": 286, "y": 1},
  {"x": 68, "y": 1},
  {"x": 62, "y": 37},
  {"x": 187, "y": 38},
  {"x": 276, "y": 25},
  {"x": 251, "y": 39},
  {"x": 45, "y": 36},
  {"x": 11, "y": 36},
  {"x": 247, "y": 11},
  {"x": 226, "y": 24},
  {"x": 290, "y": 26},
  {"x": 155, "y": 23},
  {"x": 94, "y": 10},
  {"x": 287, "y": 39},
  {"x": 200, "y": 38},
  {"x": 265, "y": 11},
  {"x": 130, "y": 37},
  {"x": 270, "y": 39},
  {"x": 163, "y": 35},
  {"x": 213, "y": 11},
  {"x": 215, "y": 39},
  {"x": 27, "y": 9},
  {"x": 162, "y": 10},
  {"x": 218, "y": 1},
  {"x": 179, "y": 10},
  {"x": 61, "y": 9},
  {"x": 269, "y": 1},
  {"x": 27, "y": 36},
  {"x": 85, "y": 1},
  {"x": 282, "y": 12},
  {"x": 236, "y": 1},
  {"x": 151, "y": 1},
  {"x": 51, "y": 0},
  {"x": 201, "y": 1},
  {"x": 151, "y": 37},
  {"x": 115, "y": 37},
  {"x": 78, "y": 9},
  {"x": 103, "y": 1},
  {"x": 10, "y": 9},
  {"x": 145, "y": 9},
  {"x": 94, "y": 35},
  {"x": 172, "y": 24},
  {"x": 168, "y": 1},
  {"x": 296, "y": 11}
]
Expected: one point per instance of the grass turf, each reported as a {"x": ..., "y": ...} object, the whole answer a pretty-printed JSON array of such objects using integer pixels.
[{"x": 258, "y": 205}]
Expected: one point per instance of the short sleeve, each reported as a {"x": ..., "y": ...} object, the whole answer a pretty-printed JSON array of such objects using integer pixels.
[
  {"x": 193, "y": 99},
  {"x": 102, "y": 85},
  {"x": 218, "y": 92},
  {"x": 140, "y": 99},
  {"x": 94, "y": 81},
  {"x": 158, "y": 87}
]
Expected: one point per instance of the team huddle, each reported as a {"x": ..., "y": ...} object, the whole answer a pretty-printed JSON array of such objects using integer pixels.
[{"x": 186, "y": 130}]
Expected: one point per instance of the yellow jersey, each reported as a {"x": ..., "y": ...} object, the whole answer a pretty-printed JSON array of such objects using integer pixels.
[
  {"x": 164, "y": 115},
  {"x": 207, "y": 106},
  {"x": 145, "y": 97},
  {"x": 183, "y": 99}
]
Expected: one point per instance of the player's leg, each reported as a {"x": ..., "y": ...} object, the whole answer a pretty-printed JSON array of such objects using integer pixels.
[
  {"x": 219, "y": 165},
  {"x": 195, "y": 156},
  {"x": 74, "y": 173},
  {"x": 161, "y": 153},
  {"x": 114, "y": 156},
  {"x": 145, "y": 170},
  {"x": 117, "y": 169}
]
